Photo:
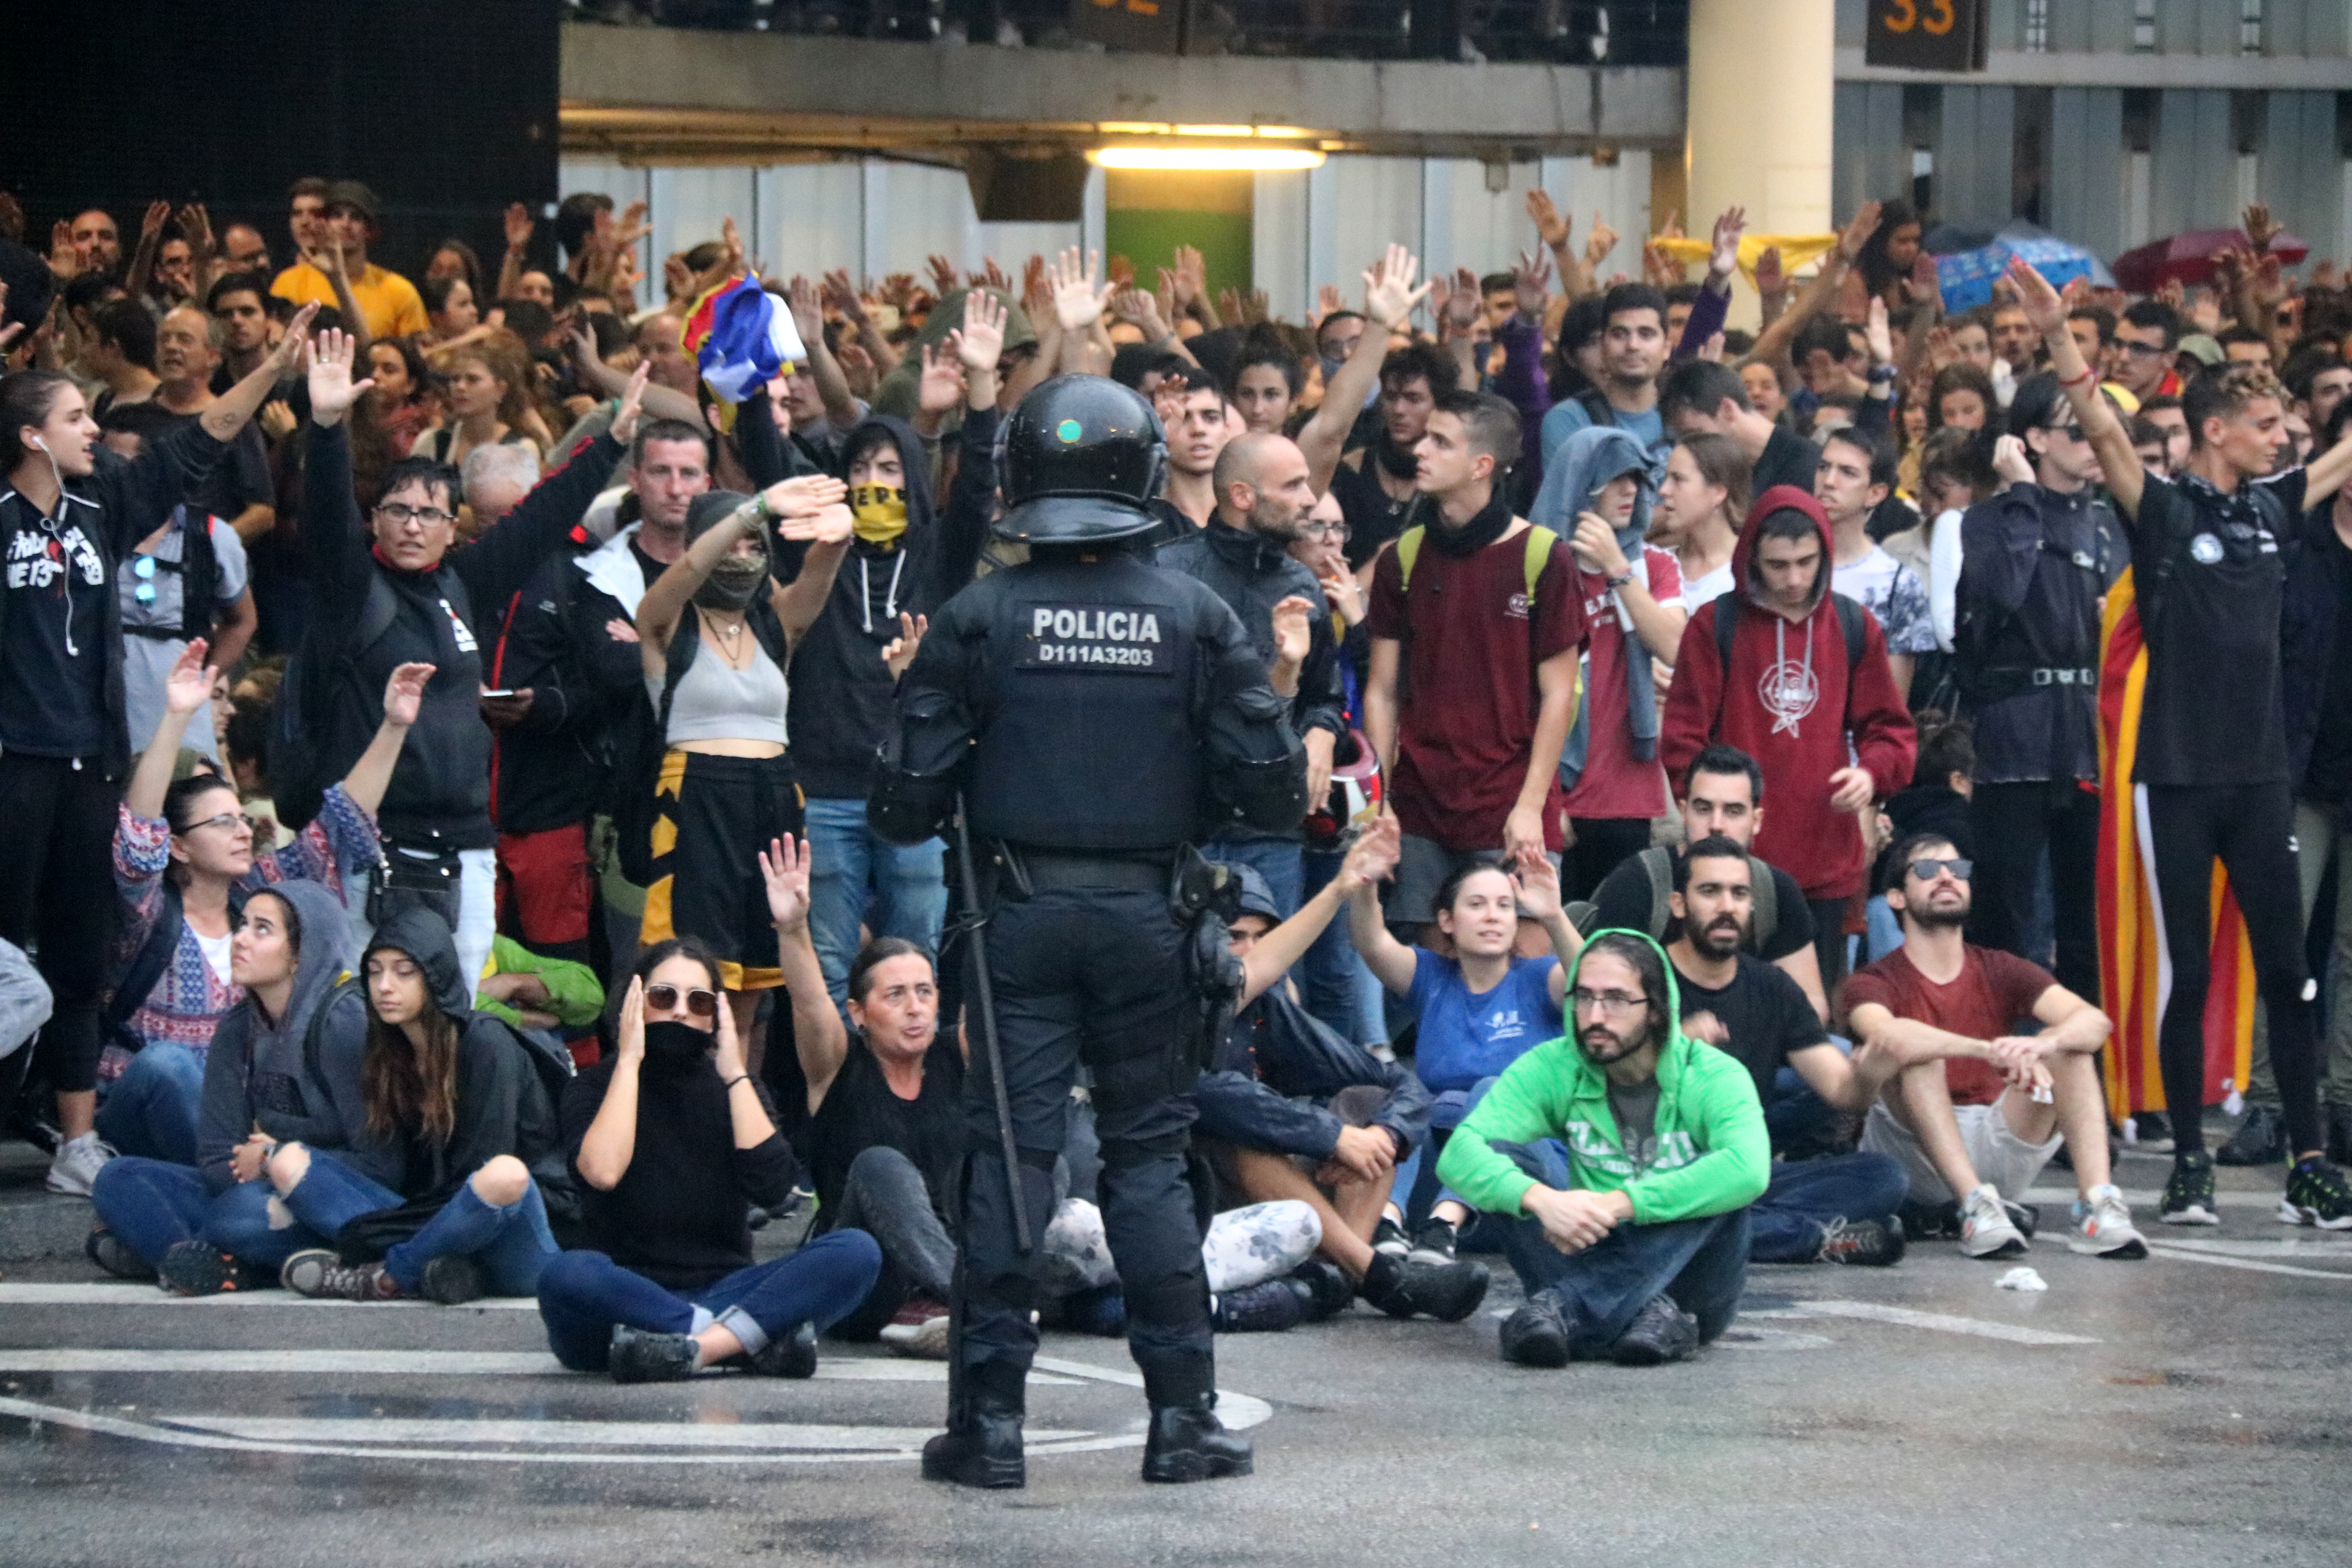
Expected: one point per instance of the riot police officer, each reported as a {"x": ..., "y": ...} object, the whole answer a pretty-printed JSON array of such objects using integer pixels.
[{"x": 1094, "y": 715}]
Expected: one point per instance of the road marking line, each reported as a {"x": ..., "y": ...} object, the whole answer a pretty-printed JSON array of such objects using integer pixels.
[
  {"x": 1944, "y": 1323},
  {"x": 762, "y": 1435},
  {"x": 420, "y": 1364},
  {"x": 2149, "y": 1197},
  {"x": 2161, "y": 1250},
  {"x": 132, "y": 1295}
]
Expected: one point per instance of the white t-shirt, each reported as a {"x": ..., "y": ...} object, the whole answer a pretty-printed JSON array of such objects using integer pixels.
[
  {"x": 1698, "y": 591},
  {"x": 215, "y": 950}
]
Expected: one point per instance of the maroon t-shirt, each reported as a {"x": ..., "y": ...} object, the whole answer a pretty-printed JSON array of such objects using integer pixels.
[
  {"x": 1984, "y": 1001},
  {"x": 1466, "y": 698}
]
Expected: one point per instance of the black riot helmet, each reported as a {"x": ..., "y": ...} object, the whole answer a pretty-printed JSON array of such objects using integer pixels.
[{"x": 1079, "y": 462}]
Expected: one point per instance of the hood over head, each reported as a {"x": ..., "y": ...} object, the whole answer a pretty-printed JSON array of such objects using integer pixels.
[
  {"x": 1671, "y": 1009},
  {"x": 901, "y": 434},
  {"x": 427, "y": 938},
  {"x": 737, "y": 579},
  {"x": 326, "y": 953},
  {"x": 1587, "y": 460},
  {"x": 1780, "y": 498}
]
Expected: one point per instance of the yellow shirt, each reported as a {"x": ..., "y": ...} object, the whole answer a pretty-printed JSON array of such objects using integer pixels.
[{"x": 389, "y": 301}]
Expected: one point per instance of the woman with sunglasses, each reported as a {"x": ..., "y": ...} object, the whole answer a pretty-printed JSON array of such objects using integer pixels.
[
  {"x": 183, "y": 859},
  {"x": 674, "y": 1142},
  {"x": 455, "y": 1160}
]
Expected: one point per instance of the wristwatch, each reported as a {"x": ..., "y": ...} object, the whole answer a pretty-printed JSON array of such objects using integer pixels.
[{"x": 1622, "y": 578}]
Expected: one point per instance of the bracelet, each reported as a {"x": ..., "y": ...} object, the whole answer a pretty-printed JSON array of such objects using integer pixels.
[
  {"x": 1621, "y": 579},
  {"x": 730, "y": 1083},
  {"x": 1880, "y": 373},
  {"x": 767, "y": 512},
  {"x": 2088, "y": 375}
]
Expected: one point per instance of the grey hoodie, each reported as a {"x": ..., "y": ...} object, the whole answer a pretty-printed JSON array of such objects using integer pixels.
[
  {"x": 259, "y": 1072},
  {"x": 1585, "y": 462}
]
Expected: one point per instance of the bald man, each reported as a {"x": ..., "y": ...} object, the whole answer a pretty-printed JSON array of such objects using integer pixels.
[
  {"x": 238, "y": 490},
  {"x": 1262, "y": 497},
  {"x": 98, "y": 244}
]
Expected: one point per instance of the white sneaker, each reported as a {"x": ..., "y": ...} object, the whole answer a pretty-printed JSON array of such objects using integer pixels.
[
  {"x": 1986, "y": 1230},
  {"x": 2102, "y": 1226},
  {"x": 77, "y": 1165}
]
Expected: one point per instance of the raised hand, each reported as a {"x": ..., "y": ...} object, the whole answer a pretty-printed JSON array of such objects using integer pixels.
[
  {"x": 979, "y": 343},
  {"x": 943, "y": 275},
  {"x": 1858, "y": 230},
  {"x": 2259, "y": 228},
  {"x": 624, "y": 418},
  {"x": 899, "y": 651},
  {"x": 333, "y": 390},
  {"x": 1293, "y": 633},
  {"x": 2010, "y": 460},
  {"x": 1374, "y": 854},
  {"x": 808, "y": 308},
  {"x": 1536, "y": 885},
  {"x": 1531, "y": 286},
  {"x": 1327, "y": 303},
  {"x": 1389, "y": 297},
  {"x": 1725, "y": 256},
  {"x": 150, "y": 226},
  {"x": 188, "y": 685},
  {"x": 629, "y": 1038},
  {"x": 784, "y": 867},
  {"x": 804, "y": 495},
  {"x": 403, "y": 694},
  {"x": 1877, "y": 333},
  {"x": 941, "y": 386},
  {"x": 1603, "y": 241},
  {"x": 1550, "y": 227},
  {"x": 1078, "y": 297},
  {"x": 1458, "y": 310},
  {"x": 1771, "y": 281},
  {"x": 196, "y": 228},
  {"x": 63, "y": 259},
  {"x": 2040, "y": 302},
  {"x": 730, "y": 240}
]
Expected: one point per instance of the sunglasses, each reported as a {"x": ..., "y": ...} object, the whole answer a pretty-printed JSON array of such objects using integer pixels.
[
  {"x": 700, "y": 1003},
  {"x": 1926, "y": 869},
  {"x": 143, "y": 568},
  {"x": 2071, "y": 432}
]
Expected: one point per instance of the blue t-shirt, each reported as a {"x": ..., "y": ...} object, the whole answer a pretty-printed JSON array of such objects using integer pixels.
[
  {"x": 1464, "y": 1038},
  {"x": 1564, "y": 419}
]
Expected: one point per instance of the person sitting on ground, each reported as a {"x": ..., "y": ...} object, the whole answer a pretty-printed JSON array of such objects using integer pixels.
[
  {"x": 1632, "y": 1239},
  {"x": 1979, "y": 1108},
  {"x": 1476, "y": 1012},
  {"x": 674, "y": 1144},
  {"x": 1290, "y": 1109},
  {"x": 1833, "y": 1208},
  {"x": 454, "y": 1168},
  {"x": 183, "y": 859},
  {"x": 284, "y": 1065}
]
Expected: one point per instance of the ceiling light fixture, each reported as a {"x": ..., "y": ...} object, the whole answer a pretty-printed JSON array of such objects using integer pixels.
[{"x": 1200, "y": 159}]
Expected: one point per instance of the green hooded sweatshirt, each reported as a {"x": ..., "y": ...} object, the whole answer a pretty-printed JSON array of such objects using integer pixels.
[{"x": 1713, "y": 1155}]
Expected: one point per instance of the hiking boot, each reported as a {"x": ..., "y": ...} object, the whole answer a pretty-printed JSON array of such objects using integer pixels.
[
  {"x": 111, "y": 1253},
  {"x": 1986, "y": 1229},
  {"x": 1661, "y": 1331},
  {"x": 320, "y": 1273},
  {"x": 2102, "y": 1226},
  {"x": 1188, "y": 1443},
  {"x": 197, "y": 1268},
  {"x": 1389, "y": 1238},
  {"x": 2260, "y": 1140},
  {"x": 453, "y": 1280},
  {"x": 1330, "y": 1291},
  {"x": 641, "y": 1355},
  {"x": 1267, "y": 1308},
  {"x": 1434, "y": 1242},
  {"x": 791, "y": 1354},
  {"x": 1448, "y": 1292},
  {"x": 2317, "y": 1194},
  {"x": 1871, "y": 1243},
  {"x": 981, "y": 1448},
  {"x": 2188, "y": 1193},
  {"x": 919, "y": 1329},
  {"x": 1537, "y": 1334},
  {"x": 77, "y": 1163}
]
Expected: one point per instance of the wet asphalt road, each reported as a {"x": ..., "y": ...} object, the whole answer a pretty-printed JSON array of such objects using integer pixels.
[{"x": 2195, "y": 1408}]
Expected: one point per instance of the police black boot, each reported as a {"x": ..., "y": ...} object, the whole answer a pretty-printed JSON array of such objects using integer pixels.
[
  {"x": 982, "y": 1446},
  {"x": 1188, "y": 1443}
]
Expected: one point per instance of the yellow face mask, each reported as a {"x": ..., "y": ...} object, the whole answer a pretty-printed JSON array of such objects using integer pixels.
[{"x": 880, "y": 512}]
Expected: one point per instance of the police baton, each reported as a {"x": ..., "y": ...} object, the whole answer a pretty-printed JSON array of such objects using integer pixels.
[{"x": 976, "y": 923}]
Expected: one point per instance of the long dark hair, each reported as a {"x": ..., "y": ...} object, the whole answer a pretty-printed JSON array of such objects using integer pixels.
[
  {"x": 1647, "y": 962},
  {"x": 404, "y": 1085},
  {"x": 25, "y": 398},
  {"x": 180, "y": 806},
  {"x": 1879, "y": 273}
]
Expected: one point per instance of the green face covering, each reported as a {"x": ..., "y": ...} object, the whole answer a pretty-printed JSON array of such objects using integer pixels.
[{"x": 880, "y": 512}]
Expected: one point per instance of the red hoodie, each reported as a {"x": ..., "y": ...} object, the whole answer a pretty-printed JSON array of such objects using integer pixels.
[{"x": 1800, "y": 734}]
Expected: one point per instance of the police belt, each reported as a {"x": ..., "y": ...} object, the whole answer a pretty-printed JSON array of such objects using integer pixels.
[
  {"x": 2008, "y": 680},
  {"x": 1062, "y": 870}
]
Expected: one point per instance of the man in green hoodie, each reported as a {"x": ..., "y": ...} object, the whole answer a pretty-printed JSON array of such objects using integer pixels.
[{"x": 1634, "y": 1245}]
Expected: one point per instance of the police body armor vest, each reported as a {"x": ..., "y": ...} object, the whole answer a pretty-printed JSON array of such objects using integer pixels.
[{"x": 1090, "y": 714}]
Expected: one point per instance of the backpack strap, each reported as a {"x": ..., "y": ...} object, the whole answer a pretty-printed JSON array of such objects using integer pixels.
[
  {"x": 1540, "y": 543},
  {"x": 1726, "y": 623},
  {"x": 1849, "y": 615},
  {"x": 1408, "y": 551},
  {"x": 1658, "y": 865},
  {"x": 1764, "y": 901},
  {"x": 346, "y": 985}
]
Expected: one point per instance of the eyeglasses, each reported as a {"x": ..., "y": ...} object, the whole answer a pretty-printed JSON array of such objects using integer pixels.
[
  {"x": 232, "y": 820},
  {"x": 401, "y": 516},
  {"x": 1610, "y": 1004},
  {"x": 1926, "y": 869},
  {"x": 1338, "y": 530},
  {"x": 702, "y": 1003}
]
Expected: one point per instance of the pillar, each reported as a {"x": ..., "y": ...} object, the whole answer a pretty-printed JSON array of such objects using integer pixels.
[{"x": 1760, "y": 108}]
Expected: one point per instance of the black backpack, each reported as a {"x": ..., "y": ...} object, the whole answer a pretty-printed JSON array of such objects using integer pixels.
[
  {"x": 1849, "y": 615},
  {"x": 1658, "y": 865}
]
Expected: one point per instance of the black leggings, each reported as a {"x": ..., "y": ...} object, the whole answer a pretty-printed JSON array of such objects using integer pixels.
[
  {"x": 2013, "y": 823},
  {"x": 2251, "y": 827},
  {"x": 1602, "y": 843},
  {"x": 57, "y": 889}
]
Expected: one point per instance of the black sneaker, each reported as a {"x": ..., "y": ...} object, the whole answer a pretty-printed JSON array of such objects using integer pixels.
[
  {"x": 1267, "y": 1308},
  {"x": 1434, "y": 1242},
  {"x": 2026, "y": 1218},
  {"x": 1929, "y": 1221},
  {"x": 453, "y": 1280},
  {"x": 1330, "y": 1291},
  {"x": 319, "y": 1272},
  {"x": 1876, "y": 1244},
  {"x": 2317, "y": 1194},
  {"x": 1448, "y": 1292},
  {"x": 111, "y": 1253},
  {"x": 1537, "y": 1334},
  {"x": 2188, "y": 1194},
  {"x": 1660, "y": 1332},
  {"x": 792, "y": 1354},
  {"x": 2339, "y": 1134},
  {"x": 2260, "y": 1140},
  {"x": 1389, "y": 1238},
  {"x": 639, "y": 1356},
  {"x": 2152, "y": 1132},
  {"x": 197, "y": 1268}
]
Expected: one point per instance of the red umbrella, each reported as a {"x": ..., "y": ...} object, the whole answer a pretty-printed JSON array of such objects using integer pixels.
[{"x": 2189, "y": 257}]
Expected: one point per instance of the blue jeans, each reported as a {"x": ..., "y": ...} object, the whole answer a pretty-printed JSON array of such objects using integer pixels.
[
  {"x": 1804, "y": 1196},
  {"x": 150, "y": 1110},
  {"x": 150, "y": 1204},
  {"x": 583, "y": 1296},
  {"x": 905, "y": 883},
  {"x": 511, "y": 1243},
  {"x": 1701, "y": 1263}
]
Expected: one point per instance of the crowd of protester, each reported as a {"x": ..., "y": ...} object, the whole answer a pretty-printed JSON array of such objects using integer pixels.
[{"x": 437, "y": 727}]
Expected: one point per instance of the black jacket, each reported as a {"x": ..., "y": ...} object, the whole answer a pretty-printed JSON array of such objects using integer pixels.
[
  {"x": 1280, "y": 1065},
  {"x": 1253, "y": 573},
  {"x": 549, "y": 771},
  {"x": 2312, "y": 653},
  {"x": 440, "y": 791},
  {"x": 2032, "y": 568},
  {"x": 841, "y": 693}
]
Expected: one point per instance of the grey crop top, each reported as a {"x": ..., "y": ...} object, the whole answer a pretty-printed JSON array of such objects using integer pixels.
[{"x": 714, "y": 703}]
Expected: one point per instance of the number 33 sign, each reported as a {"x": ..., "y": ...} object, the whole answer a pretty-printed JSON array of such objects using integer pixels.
[{"x": 1926, "y": 34}]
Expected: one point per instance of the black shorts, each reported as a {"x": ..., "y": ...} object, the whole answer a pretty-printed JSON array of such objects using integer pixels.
[{"x": 714, "y": 815}]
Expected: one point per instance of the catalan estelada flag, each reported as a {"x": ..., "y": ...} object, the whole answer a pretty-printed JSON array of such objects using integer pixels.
[
  {"x": 2135, "y": 972},
  {"x": 741, "y": 337}
]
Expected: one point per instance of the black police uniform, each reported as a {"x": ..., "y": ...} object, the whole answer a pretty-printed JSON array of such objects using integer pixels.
[{"x": 1097, "y": 713}]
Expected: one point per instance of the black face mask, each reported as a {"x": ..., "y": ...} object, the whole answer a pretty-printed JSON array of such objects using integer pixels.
[{"x": 672, "y": 1047}]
